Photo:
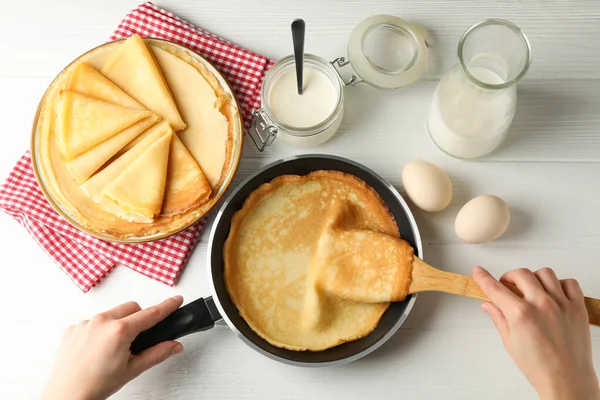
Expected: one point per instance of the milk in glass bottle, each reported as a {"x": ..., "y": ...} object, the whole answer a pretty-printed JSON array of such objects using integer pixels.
[{"x": 474, "y": 103}]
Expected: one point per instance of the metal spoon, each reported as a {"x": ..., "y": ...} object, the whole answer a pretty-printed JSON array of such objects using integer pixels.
[{"x": 298, "y": 28}]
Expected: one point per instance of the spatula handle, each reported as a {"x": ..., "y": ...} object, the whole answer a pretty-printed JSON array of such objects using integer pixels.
[
  {"x": 593, "y": 309},
  {"x": 426, "y": 278}
]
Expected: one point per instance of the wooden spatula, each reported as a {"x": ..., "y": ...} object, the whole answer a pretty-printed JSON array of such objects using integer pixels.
[{"x": 371, "y": 267}]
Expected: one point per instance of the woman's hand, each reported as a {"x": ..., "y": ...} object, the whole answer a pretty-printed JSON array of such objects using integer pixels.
[
  {"x": 546, "y": 332},
  {"x": 94, "y": 360}
]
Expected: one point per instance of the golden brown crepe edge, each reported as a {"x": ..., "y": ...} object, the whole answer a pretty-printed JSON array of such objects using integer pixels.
[
  {"x": 224, "y": 104},
  {"x": 200, "y": 200}
]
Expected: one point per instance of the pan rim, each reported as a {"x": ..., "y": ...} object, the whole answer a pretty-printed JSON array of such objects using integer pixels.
[{"x": 391, "y": 331}]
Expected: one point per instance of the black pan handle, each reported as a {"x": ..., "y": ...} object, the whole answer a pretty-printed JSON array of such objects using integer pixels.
[{"x": 199, "y": 315}]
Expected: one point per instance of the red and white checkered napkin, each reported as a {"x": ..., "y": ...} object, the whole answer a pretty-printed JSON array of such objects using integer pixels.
[{"x": 87, "y": 259}]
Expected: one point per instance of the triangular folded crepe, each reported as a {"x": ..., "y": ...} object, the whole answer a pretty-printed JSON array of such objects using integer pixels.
[
  {"x": 187, "y": 187},
  {"x": 84, "y": 165},
  {"x": 133, "y": 68},
  {"x": 140, "y": 189},
  {"x": 84, "y": 122},
  {"x": 94, "y": 186},
  {"x": 85, "y": 79},
  {"x": 162, "y": 125}
]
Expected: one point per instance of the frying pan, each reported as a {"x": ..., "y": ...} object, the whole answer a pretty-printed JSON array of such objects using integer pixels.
[{"x": 202, "y": 313}]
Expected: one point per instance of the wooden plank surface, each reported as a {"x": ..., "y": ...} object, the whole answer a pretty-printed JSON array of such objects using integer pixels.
[{"x": 548, "y": 171}]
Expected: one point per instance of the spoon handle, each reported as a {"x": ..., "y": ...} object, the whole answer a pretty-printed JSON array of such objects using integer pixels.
[{"x": 298, "y": 29}]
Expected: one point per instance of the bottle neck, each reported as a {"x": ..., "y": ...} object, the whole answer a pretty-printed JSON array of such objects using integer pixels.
[
  {"x": 494, "y": 54},
  {"x": 487, "y": 71}
]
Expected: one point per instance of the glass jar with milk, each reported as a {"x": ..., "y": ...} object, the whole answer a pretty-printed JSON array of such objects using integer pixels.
[
  {"x": 384, "y": 51},
  {"x": 474, "y": 103}
]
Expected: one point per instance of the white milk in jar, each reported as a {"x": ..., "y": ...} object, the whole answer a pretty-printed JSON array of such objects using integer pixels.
[
  {"x": 384, "y": 51},
  {"x": 475, "y": 102},
  {"x": 313, "y": 106},
  {"x": 309, "y": 119}
]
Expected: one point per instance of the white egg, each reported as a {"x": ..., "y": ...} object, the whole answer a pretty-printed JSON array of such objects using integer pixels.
[
  {"x": 482, "y": 219},
  {"x": 427, "y": 185}
]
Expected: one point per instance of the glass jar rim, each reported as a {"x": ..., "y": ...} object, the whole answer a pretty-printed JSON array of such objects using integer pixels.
[
  {"x": 406, "y": 33},
  {"x": 319, "y": 62},
  {"x": 506, "y": 24}
]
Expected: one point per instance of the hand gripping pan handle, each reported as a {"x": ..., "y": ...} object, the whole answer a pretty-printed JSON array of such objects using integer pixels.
[{"x": 199, "y": 315}]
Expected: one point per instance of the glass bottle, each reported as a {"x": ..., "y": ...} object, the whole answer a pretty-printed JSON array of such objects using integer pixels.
[{"x": 475, "y": 102}]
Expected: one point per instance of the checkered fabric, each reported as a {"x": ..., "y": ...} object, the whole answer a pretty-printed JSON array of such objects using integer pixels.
[{"x": 85, "y": 259}]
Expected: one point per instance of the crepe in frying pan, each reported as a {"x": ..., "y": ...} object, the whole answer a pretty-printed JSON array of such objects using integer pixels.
[
  {"x": 269, "y": 255},
  {"x": 85, "y": 79},
  {"x": 133, "y": 68},
  {"x": 360, "y": 264},
  {"x": 140, "y": 188},
  {"x": 95, "y": 186},
  {"x": 84, "y": 122},
  {"x": 85, "y": 164}
]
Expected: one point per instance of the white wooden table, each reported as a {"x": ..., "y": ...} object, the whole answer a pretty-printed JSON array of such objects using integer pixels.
[{"x": 548, "y": 172}]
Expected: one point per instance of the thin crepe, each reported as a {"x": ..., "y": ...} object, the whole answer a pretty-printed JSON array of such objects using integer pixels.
[
  {"x": 94, "y": 186},
  {"x": 140, "y": 188},
  {"x": 85, "y": 79},
  {"x": 84, "y": 165},
  {"x": 133, "y": 68},
  {"x": 360, "y": 264},
  {"x": 187, "y": 187},
  {"x": 268, "y": 260},
  {"x": 84, "y": 122}
]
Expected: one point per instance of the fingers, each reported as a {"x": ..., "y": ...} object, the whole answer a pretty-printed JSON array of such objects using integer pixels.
[
  {"x": 550, "y": 283},
  {"x": 147, "y": 318},
  {"x": 497, "y": 317},
  {"x": 123, "y": 310},
  {"x": 153, "y": 356},
  {"x": 525, "y": 281},
  {"x": 497, "y": 292},
  {"x": 572, "y": 289}
]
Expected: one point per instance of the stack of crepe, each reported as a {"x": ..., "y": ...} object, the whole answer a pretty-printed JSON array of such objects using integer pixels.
[{"x": 115, "y": 132}]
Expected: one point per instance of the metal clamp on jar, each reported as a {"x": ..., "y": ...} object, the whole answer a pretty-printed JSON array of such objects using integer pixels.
[{"x": 384, "y": 51}]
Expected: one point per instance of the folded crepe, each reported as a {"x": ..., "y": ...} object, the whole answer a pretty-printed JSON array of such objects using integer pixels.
[
  {"x": 94, "y": 186},
  {"x": 359, "y": 264},
  {"x": 187, "y": 187},
  {"x": 133, "y": 68},
  {"x": 161, "y": 126},
  {"x": 84, "y": 122},
  {"x": 85, "y": 79},
  {"x": 140, "y": 189},
  {"x": 84, "y": 165}
]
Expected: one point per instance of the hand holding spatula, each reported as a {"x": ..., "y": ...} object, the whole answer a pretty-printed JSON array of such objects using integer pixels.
[{"x": 371, "y": 267}]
